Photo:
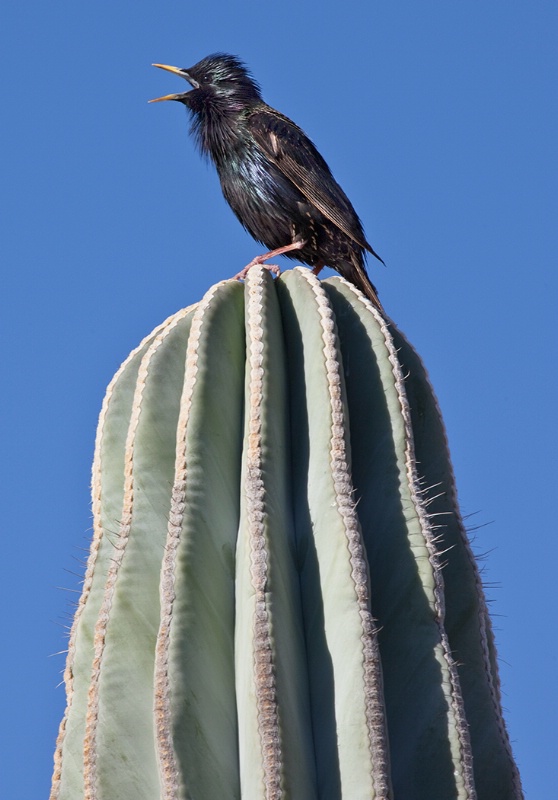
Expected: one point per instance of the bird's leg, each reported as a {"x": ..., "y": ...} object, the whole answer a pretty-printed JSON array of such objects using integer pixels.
[
  {"x": 318, "y": 268},
  {"x": 272, "y": 253}
]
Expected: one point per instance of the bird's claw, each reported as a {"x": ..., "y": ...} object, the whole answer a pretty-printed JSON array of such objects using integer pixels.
[
  {"x": 279, "y": 251},
  {"x": 241, "y": 276}
]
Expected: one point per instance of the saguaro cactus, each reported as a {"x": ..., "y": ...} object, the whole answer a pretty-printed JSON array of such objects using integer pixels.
[{"x": 280, "y": 600}]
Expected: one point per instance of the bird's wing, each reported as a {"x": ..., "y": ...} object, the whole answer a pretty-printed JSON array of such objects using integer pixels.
[{"x": 288, "y": 147}]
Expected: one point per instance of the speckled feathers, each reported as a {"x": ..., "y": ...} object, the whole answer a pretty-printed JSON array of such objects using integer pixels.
[{"x": 272, "y": 175}]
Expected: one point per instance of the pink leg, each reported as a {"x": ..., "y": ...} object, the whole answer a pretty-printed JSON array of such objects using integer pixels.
[
  {"x": 272, "y": 253},
  {"x": 318, "y": 268}
]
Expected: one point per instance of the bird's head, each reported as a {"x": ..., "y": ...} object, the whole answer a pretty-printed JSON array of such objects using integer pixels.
[{"x": 220, "y": 83}]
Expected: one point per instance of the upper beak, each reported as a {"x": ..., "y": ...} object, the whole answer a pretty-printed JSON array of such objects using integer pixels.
[{"x": 183, "y": 74}]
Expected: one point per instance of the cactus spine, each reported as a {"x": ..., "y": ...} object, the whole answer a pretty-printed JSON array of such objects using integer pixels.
[{"x": 280, "y": 600}]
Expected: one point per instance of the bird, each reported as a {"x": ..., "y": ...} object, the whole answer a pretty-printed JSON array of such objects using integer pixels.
[{"x": 272, "y": 176}]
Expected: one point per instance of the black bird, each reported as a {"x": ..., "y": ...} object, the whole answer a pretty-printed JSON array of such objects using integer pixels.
[{"x": 272, "y": 176}]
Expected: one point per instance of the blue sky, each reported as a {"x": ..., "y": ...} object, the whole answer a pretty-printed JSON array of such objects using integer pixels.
[{"x": 439, "y": 120}]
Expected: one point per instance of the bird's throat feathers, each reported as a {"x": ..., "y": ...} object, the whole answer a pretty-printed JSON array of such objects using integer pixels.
[
  {"x": 223, "y": 95},
  {"x": 216, "y": 125}
]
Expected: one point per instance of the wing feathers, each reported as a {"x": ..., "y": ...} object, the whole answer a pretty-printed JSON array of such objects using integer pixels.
[{"x": 288, "y": 147}]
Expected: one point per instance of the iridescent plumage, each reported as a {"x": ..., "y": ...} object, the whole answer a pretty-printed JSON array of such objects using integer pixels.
[{"x": 272, "y": 175}]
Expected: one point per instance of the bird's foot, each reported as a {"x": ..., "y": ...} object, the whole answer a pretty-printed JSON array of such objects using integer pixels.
[
  {"x": 259, "y": 260},
  {"x": 241, "y": 276}
]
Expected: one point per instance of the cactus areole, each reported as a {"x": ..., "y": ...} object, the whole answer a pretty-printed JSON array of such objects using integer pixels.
[{"x": 280, "y": 599}]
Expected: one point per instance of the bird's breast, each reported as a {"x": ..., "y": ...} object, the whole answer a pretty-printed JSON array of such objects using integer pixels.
[
  {"x": 260, "y": 196},
  {"x": 250, "y": 172}
]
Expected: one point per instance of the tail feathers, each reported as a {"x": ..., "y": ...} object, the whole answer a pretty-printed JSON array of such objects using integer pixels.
[
  {"x": 375, "y": 254},
  {"x": 357, "y": 275}
]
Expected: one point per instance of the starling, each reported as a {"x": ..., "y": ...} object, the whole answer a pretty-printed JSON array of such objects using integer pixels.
[{"x": 272, "y": 175}]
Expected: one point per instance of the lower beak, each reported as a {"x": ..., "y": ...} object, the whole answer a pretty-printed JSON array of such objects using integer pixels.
[{"x": 182, "y": 73}]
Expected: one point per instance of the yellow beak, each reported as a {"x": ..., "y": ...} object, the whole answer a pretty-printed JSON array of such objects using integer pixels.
[{"x": 176, "y": 71}]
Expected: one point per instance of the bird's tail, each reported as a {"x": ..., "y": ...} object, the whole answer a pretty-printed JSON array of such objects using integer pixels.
[{"x": 358, "y": 276}]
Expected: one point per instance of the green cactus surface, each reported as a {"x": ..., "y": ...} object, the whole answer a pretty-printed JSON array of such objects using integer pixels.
[{"x": 280, "y": 599}]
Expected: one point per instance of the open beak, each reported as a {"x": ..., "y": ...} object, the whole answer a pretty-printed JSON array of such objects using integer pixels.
[{"x": 183, "y": 74}]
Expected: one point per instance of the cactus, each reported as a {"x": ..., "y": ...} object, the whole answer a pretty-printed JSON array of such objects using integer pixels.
[{"x": 280, "y": 599}]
